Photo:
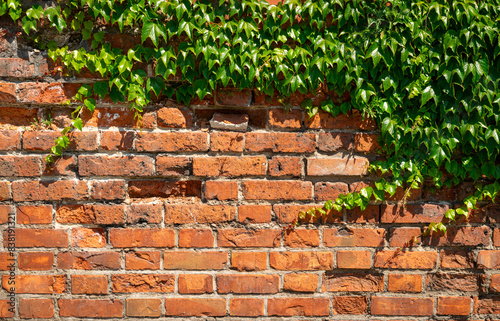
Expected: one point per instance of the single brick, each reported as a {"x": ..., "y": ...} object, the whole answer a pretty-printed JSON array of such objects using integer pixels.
[
  {"x": 34, "y": 214},
  {"x": 90, "y": 308},
  {"x": 88, "y": 237},
  {"x": 37, "y": 284},
  {"x": 230, "y": 166},
  {"x": 370, "y": 215},
  {"x": 285, "y": 166},
  {"x": 5, "y": 191},
  {"x": 39, "y": 238},
  {"x": 143, "y": 308},
  {"x": 324, "y": 191},
  {"x": 422, "y": 260},
  {"x": 226, "y": 142},
  {"x": 171, "y": 142},
  {"x": 354, "y": 259},
  {"x": 300, "y": 282},
  {"x": 136, "y": 237},
  {"x": 36, "y": 309},
  {"x": 496, "y": 237},
  {"x": 233, "y": 97},
  {"x": 187, "y": 260},
  {"x": 173, "y": 166},
  {"x": 142, "y": 260},
  {"x": 35, "y": 261},
  {"x": 118, "y": 117},
  {"x": 10, "y": 139},
  {"x": 221, "y": 190},
  {"x": 131, "y": 283},
  {"x": 108, "y": 190},
  {"x": 366, "y": 143},
  {"x": 91, "y": 214},
  {"x": 198, "y": 213},
  {"x": 102, "y": 260},
  {"x": 89, "y": 284},
  {"x": 294, "y": 261},
  {"x": 205, "y": 307},
  {"x": 165, "y": 189},
  {"x": 14, "y": 116},
  {"x": 248, "y": 238},
  {"x": 413, "y": 213},
  {"x": 352, "y": 282},
  {"x": 196, "y": 238},
  {"x": 23, "y": 166},
  {"x": 401, "y": 235},
  {"x": 354, "y": 237},
  {"x": 405, "y": 283},
  {"x": 44, "y": 140},
  {"x": 277, "y": 190},
  {"x": 249, "y": 261},
  {"x": 453, "y": 305},
  {"x": 495, "y": 283},
  {"x": 332, "y": 142},
  {"x": 196, "y": 283},
  {"x": 454, "y": 282},
  {"x": 457, "y": 259},
  {"x": 488, "y": 259},
  {"x": 246, "y": 307},
  {"x": 487, "y": 305},
  {"x": 45, "y": 93},
  {"x": 6, "y": 213},
  {"x": 290, "y": 119},
  {"x": 349, "y": 305},
  {"x": 26, "y": 191},
  {"x": 345, "y": 166},
  {"x": 402, "y": 306},
  {"x": 298, "y": 307},
  {"x": 302, "y": 238},
  {"x": 249, "y": 214},
  {"x": 174, "y": 118},
  {"x": 248, "y": 283},
  {"x": 460, "y": 236},
  {"x": 6, "y": 260},
  {"x": 6, "y": 309},
  {"x": 280, "y": 142},
  {"x": 144, "y": 213},
  {"x": 117, "y": 140},
  {"x": 286, "y": 214},
  {"x": 353, "y": 120},
  {"x": 62, "y": 166},
  {"x": 90, "y": 165}
]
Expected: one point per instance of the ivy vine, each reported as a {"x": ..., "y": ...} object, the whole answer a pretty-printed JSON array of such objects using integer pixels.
[{"x": 426, "y": 71}]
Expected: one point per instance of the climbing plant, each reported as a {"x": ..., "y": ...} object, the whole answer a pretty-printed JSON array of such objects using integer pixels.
[{"x": 426, "y": 71}]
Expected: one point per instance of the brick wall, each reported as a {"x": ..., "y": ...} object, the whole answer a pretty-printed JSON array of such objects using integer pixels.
[{"x": 184, "y": 217}]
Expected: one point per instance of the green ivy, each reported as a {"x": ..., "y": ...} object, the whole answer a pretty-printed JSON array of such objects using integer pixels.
[{"x": 426, "y": 71}]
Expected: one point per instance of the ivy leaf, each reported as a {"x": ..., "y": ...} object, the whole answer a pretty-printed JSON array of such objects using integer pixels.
[
  {"x": 153, "y": 31},
  {"x": 388, "y": 126},
  {"x": 101, "y": 88},
  {"x": 90, "y": 103},
  {"x": 77, "y": 123},
  {"x": 427, "y": 94},
  {"x": 438, "y": 154}
]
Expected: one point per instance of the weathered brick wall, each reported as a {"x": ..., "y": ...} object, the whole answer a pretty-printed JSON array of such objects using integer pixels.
[{"x": 179, "y": 219}]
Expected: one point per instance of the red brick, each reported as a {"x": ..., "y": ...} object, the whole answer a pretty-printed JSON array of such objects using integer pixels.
[
  {"x": 108, "y": 190},
  {"x": 171, "y": 142},
  {"x": 234, "y": 97},
  {"x": 302, "y": 238},
  {"x": 144, "y": 307},
  {"x": 44, "y": 140},
  {"x": 10, "y": 139},
  {"x": 8, "y": 92},
  {"x": 221, "y": 190},
  {"x": 294, "y": 261},
  {"x": 165, "y": 189},
  {"x": 488, "y": 260},
  {"x": 16, "y": 67},
  {"x": 23, "y": 166},
  {"x": 187, "y": 260},
  {"x": 102, "y": 260},
  {"x": 25, "y": 191},
  {"x": 352, "y": 282},
  {"x": 354, "y": 259},
  {"x": 495, "y": 283},
  {"x": 413, "y": 213},
  {"x": 246, "y": 307},
  {"x": 196, "y": 283},
  {"x": 62, "y": 166},
  {"x": 454, "y": 305},
  {"x": 401, "y": 235},
  {"x": 248, "y": 238},
  {"x": 174, "y": 118},
  {"x": 430, "y": 193},
  {"x": 117, "y": 140},
  {"x": 345, "y": 166},
  {"x": 142, "y": 260},
  {"x": 39, "y": 284},
  {"x": 457, "y": 259},
  {"x": 454, "y": 282},
  {"x": 226, "y": 142},
  {"x": 173, "y": 166},
  {"x": 34, "y": 214},
  {"x": 196, "y": 238},
  {"x": 280, "y": 142},
  {"x": 277, "y": 190},
  {"x": 286, "y": 214},
  {"x": 115, "y": 165},
  {"x": 45, "y": 93},
  {"x": 35, "y": 261},
  {"x": 184, "y": 307},
  {"x": 13, "y": 116},
  {"x": 117, "y": 117},
  {"x": 39, "y": 238},
  {"x": 6, "y": 258},
  {"x": 91, "y": 214},
  {"x": 137, "y": 237},
  {"x": 406, "y": 259},
  {"x": 285, "y": 166},
  {"x": 5, "y": 192},
  {"x": 405, "y": 283},
  {"x": 5, "y": 213},
  {"x": 132, "y": 283},
  {"x": 496, "y": 237},
  {"x": 229, "y": 166},
  {"x": 461, "y": 236},
  {"x": 144, "y": 212},
  {"x": 254, "y": 214},
  {"x": 198, "y": 213},
  {"x": 349, "y": 305},
  {"x": 354, "y": 237},
  {"x": 36, "y": 308},
  {"x": 88, "y": 237},
  {"x": 353, "y": 120},
  {"x": 90, "y": 308},
  {"x": 300, "y": 282},
  {"x": 370, "y": 215},
  {"x": 298, "y": 307},
  {"x": 324, "y": 191},
  {"x": 402, "y": 306},
  {"x": 248, "y": 283},
  {"x": 332, "y": 142},
  {"x": 279, "y": 118},
  {"x": 487, "y": 305},
  {"x": 249, "y": 261},
  {"x": 366, "y": 143},
  {"x": 89, "y": 284},
  {"x": 6, "y": 309}
]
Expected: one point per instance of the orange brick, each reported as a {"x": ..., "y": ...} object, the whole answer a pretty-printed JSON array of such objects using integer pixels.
[
  {"x": 413, "y": 213},
  {"x": 145, "y": 212},
  {"x": 174, "y": 118},
  {"x": 196, "y": 238},
  {"x": 280, "y": 142},
  {"x": 230, "y": 166},
  {"x": 402, "y": 306},
  {"x": 102, "y": 260},
  {"x": 90, "y": 308},
  {"x": 285, "y": 166},
  {"x": 206, "y": 307},
  {"x": 91, "y": 214},
  {"x": 298, "y": 307},
  {"x": 117, "y": 117},
  {"x": 10, "y": 140},
  {"x": 34, "y": 214},
  {"x": 26, "y": 191},
  {"x": 354, "y": 259},
  {"x": 38, "y": 284},
  {"x": 89, "y": 284},
  {"x": 301, "y": 260},
  {"x": 277, "y": 190},
  {"x": 117, "y": 140},
  {"x": 249, "y": 261},
  {"x": 405, "y": 283},
  {"x": 6, "y": 309},
  {"x": 455, "y": 282},
  {"x": 35, "y": 261},
  {"x": 88, "y": 237},
  {"x": 221, "y": 190},
  {"x": 454, "y": 305},
  {"x": 286, "y": 214},
  {"x": 352, "y": 282},
  {"x": 302, "y": 238},
  {"x": 5, "y": 192},
  {"x": 173, "y": 166},
  {"x": 187, "y": 260},
  {"x": 350, "y": 305},
  {"x": 39, "y": 238},
  {"x": 89, "y": 165},
  {"x": 495, "y": 283},
  {"x": 248, "y": 283},
  {"x": 135, "y": 237},
  {"x": 226, "y": 142},
  {"x": 246, "y": 307},
  {"x": 486, "y": 305},
  {"x": 108, "y": 190},
  {"x": 406, "y": 260},
  {"x": 332, "y": 142},
  {"x": 198, "y": 213},
  {"x": 366, "y": 143},
  {"x": 370, "y": 215},
  {"x": 62, "y": 166},
  {"x": 300, "y": 282},
  {"x": 142, "y": 260},
  {"x": 195, "y": 283},
  {"x": 171, "y": 142},
  {"x": 496, "y": 237},
  {"x": 353, "y": 120},
  {"x": 328, "y": 166},
  {"x": 354, "y": 237},
  {"x": 248, "y": 238},
  {"x": 144, "y": 308},
  {"x": 279, "y": 118},
  {"x": 132, "y": 283},
  {"x": 5, "y": 213},
  {"x": 6, "y": 259},
  {"x": 20, "y": 166},
  {"x": 254, "y": 214},
  {"x": 325, "y": 190},
  {"x": 457, "y": 259},
  {"x": 44, "y": 140},
  {"x": 400, "y": 236},
  {"x": 488, "y": 260},
  {"x": 36, "y": 308},
  {"x": 162, "y": 188}
]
